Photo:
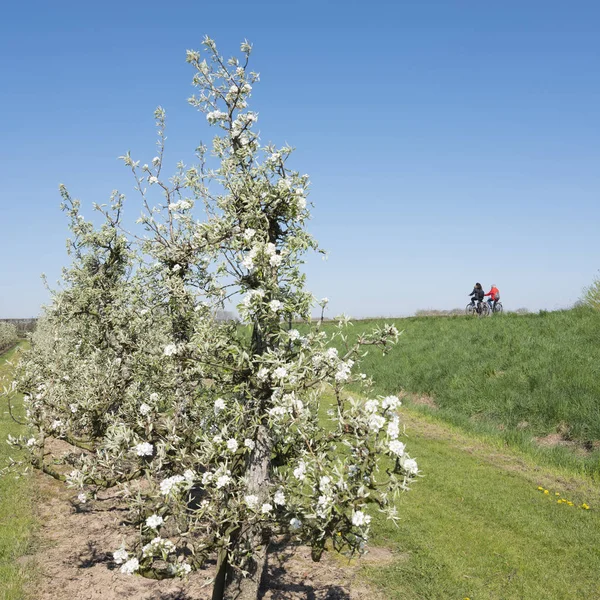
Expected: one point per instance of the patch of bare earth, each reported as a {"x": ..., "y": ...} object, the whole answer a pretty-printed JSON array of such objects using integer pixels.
[
  {"x": 74, "y": 558},
  {"x": 418, "y": 399}
]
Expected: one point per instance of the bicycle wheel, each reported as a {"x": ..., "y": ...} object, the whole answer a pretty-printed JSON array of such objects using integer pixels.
[
  {"x": 485, "y": 309},
  {"x": 470, "y": 310},
  {"x": 498, "y": 308}
]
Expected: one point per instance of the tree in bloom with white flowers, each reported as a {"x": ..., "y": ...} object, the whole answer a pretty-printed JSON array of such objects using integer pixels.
[
  {"x": 8, "y": 335},
  {"x": 220, "y": 435}
]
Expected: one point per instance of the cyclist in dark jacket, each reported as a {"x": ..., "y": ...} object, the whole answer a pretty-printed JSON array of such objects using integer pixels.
[{"x": 477, "y": 294}]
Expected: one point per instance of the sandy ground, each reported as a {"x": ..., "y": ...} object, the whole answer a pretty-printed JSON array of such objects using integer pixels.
[{"x": 74, "y": 558}]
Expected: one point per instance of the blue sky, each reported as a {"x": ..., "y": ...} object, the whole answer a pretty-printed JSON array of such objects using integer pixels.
[{"x": 447, "y": 142}]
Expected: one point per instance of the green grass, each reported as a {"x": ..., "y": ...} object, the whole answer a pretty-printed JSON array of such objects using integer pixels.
[
  {"x": 509, "y": 376},
  {"x": 476, "y": 526},
  {"x": 16, "y": 508}
]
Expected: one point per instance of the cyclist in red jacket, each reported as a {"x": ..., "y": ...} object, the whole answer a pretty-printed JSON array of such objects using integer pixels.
[{"x": 494, "y": 296}]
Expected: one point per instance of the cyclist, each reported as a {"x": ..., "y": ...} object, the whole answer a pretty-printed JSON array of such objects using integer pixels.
[
  {"x": 477, "y": 295},
  {"x": 494, "y": 297}
]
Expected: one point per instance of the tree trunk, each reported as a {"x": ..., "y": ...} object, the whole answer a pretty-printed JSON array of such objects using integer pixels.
[{"x": 230, "y": 583}]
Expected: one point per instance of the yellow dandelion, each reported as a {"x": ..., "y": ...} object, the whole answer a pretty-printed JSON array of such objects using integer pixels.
[
  {"x": 540, "y": 488},
  {"x": 570, "y": 503},
  {"x": 556, "y": 494},
  {"x": 559, "y": 501},
  {"x": 585, "y": 506},
  {"x": 546, "y": 492}
]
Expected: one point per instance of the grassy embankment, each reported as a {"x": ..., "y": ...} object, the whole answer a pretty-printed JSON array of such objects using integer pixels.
[
  {"x": 16, "y": 507},
  {"x": 476, "y": 525},
  {"x": 512, "y": 378}
]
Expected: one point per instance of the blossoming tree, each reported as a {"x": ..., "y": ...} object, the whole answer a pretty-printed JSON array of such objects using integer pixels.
[{"x": 222, "y": 435}]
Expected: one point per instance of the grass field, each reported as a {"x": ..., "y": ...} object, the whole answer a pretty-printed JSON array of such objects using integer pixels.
[
  {"x": 477, "y": 526},
  {"x": 517, "y": 377},
  {"x": 16, "y": 508}
]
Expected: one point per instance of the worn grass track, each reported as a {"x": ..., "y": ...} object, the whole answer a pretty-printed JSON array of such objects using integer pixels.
[{"x": 477, "y": 526}]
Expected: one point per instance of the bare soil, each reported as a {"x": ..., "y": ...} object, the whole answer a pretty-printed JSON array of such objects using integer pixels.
[
  {"x": 74, "y": 558},
  {"x": 418, "y": 399}
]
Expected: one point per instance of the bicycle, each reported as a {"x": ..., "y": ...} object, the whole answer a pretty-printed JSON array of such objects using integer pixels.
[
  {"x": 481, "y": 309},
  {"x": 498, "y": 309}
]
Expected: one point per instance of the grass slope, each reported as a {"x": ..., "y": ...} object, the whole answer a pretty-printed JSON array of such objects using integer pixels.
[
  {"x": 16, "y": 506},
  {"x": 477, "y": 526},
  {"x": 518, "y": 377}
]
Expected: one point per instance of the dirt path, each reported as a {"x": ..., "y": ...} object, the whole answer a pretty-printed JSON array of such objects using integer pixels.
[{"x": 75, "y": 563}]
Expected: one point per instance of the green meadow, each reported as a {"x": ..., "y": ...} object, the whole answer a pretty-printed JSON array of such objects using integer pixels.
[
  {"x": 16, "y": 505},
  {"x": 532, "y": 381}
]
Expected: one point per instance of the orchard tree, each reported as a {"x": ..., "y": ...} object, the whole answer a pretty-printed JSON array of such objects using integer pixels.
[{"x": 225, "y": 435}]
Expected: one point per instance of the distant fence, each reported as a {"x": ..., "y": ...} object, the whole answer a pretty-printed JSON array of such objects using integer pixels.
[{"x": 24, "y": 326}]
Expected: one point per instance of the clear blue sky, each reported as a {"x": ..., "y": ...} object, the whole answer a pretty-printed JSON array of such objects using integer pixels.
[{"x": 447, "y": 142}]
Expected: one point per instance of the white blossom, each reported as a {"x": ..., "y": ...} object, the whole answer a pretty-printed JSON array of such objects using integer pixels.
[
  {"x": 232, "y": 445},
  {"x": 215, "y": 115},
  {"x": 249, "y": 443},
  {"x": 371, "y": 406},
  {"x": 359, "y": 518},
  {"x": 182, "y": 569},
  {"x": 130, "y": 567},
  {"x": 376, "y": 422},
  {"x": 120, "y": 555},
  {"x": 144, "y": 449},
  {"x": 331, "y": 353},
  {"x": 145, "y": 409},
  {"x": 294, "y": 334},
  {"x": 219, "y": 405},
  {"x": 397, "y": 447},
  {"x": 154, "y": 521},
  {"x": 251, "y": 500},
  {"x": 323, "y": 504},
  {"x": 300, "y": 471},
  {"x": 275, "y": 305},
  {"x": 295, "y": 524},
  {"x": 391, "y": 402},
  {"x": 222, "y": 481},
  {"x": 279, "y": 498},
  {"x": 393, "y": 429},
  {"x": 275, "y": 261},
  {"x": 167, "y": 485},
  {"x": 277, "y": 411},
  {"x": 249, "y": 234},
  {"x": 410, "y": 466},
  {"x": 170, "y": 349},
  {"x": 82, "y": 498},
  {"x": 153, "y": 397},
  {"x": 152, "y": 180},
  {"x": 266, "y": 508},
  {"x": 280, "y": 372}
]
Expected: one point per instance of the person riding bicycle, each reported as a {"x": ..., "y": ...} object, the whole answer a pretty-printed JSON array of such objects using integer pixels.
[
  {"x": 477, "y": 295},
  {"x": 494, "y": 297}
]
